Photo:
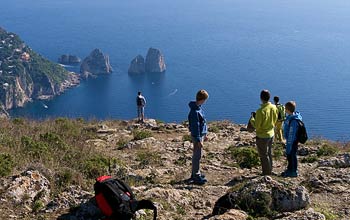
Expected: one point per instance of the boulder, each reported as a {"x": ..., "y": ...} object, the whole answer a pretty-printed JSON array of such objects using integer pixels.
[
  {"x": 341, "y": 161},
  {"x": 264, "y": 195},
  {"x": 309, "y": 214},
  {"x": 137, "y": 65},
  {"x": 155, "y": 62},
  {"x": 28, "y": 187},
  {"x": 95, "y": 64}
]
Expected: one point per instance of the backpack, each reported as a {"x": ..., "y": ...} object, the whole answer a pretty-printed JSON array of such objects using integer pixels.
[
  {"x": 116, "y": 200},
  {"x": 281, "y": 112},
  {"x": 139, "y": 101},
  {"x": 302, "y": 134}
]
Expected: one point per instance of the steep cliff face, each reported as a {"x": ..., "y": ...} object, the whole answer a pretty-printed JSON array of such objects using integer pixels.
[
  {"x": 137, "y": 65},
  {"x": 96, "y": 63},
  {"x": 155, "y": 62},
  {"x": 26, "y": 75}
]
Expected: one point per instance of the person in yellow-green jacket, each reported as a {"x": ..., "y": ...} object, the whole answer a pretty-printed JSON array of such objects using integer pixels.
[{"x": 264, "y": 121}]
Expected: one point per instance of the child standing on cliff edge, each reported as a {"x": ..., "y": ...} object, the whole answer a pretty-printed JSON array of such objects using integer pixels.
[
  {"x": 199, "y": 130},
  {"x": 291, "y": 127}
]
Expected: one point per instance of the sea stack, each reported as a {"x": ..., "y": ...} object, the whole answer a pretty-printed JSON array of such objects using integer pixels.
[
  {"x": 137, "y": 65},
  {"x": 69, "y": 59},
  {"x": 155, "y": 62},
  {"x": 95, "y": 64}
]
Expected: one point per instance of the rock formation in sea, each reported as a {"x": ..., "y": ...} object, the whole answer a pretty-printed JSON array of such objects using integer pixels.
[
  {"x": 95, "y": 64},
  {"x": 137, "y": 65},
  {"x": 155, "y": 62},
  {"x": 26, "y": 75},
  {"x": 69, "y": 59}
]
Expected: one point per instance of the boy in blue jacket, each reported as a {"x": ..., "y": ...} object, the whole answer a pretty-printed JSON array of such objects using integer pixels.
[
  {"x": 199, "y": 130},
  {"x": 291, "y": 127}
]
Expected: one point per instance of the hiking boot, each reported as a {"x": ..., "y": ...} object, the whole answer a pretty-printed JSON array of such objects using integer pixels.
[
  {"x": 199, "y": 180},
  {"x": 201, "y": 175},
  {"x": 288, "y": 173}
]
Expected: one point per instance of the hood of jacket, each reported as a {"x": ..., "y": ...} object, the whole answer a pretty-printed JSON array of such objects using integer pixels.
[
  {"x": 193, "y": 105},
  {"x": 296, "y": 115}
]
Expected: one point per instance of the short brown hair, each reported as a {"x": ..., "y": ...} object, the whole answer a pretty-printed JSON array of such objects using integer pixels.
[
  {"x": 265, "y": 95},
  {"x": 202, "y": 95},
  {"x": 291, "y": 105}
]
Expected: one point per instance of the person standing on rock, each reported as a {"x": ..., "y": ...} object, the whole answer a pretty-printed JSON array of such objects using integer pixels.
[
  {"x": 199, "y": 130},
  {"x": 291, "y": 127},
  {"x": 280, "y": 120},
  {"x": 264, "y": 122},
  {"x": 140, "y": 102}
]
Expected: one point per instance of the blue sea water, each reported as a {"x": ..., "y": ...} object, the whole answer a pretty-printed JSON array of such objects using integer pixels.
[{"x": 298, "y": 50}]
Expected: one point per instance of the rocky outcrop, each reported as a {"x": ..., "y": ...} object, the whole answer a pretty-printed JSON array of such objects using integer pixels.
[
  {"x": 95, "y": 64},
  {"x": 155, "y": 62},
  {"x": 264, "y": 195},
  {"x": 3, "y": 112},
  {"x": 28, "y": 187},
  {"x": 67, "y": 59},
  {"x": 26, "y": 79},
  {"x": 137, "y": 65}
]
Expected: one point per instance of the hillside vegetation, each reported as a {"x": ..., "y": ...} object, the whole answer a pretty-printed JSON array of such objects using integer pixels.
[{"x": 155, "y": 159}]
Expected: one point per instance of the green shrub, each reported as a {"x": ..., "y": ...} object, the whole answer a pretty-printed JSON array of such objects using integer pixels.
[
  {"x": 18, "y": 121},
  {"x": 96, "y": 166},
  {"x": 141, "y": 134},
  {"x": 35, "y": 149},
  {"x": 64, "y": 177},
  {"x": 37, "y": 205},
  {"x": 67, "y": 127},
  {"x": 187, "y": 137},
  {"x": 258, "y": 204},
  {"x": 53, "y": 140},
  {"x": 6, "y": 164},
  {"x": 121, "y": 143},
  {"x": 147, "y": 158},
  {"x": 327, "y": 150},
  {"x": 181, "y": 161},
  {"x": 309, "y": 159},
  {"x": 214, "y": 129},
  {"x": 160, "y": 121},
  {"x": 246, "y": 157}
]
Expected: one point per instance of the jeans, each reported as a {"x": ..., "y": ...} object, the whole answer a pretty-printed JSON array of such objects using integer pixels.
[{"x": 292, "y": 158}]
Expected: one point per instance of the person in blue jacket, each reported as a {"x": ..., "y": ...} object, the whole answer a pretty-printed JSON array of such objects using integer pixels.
[
  {"x": 199, "y": 130},
  {"x": 290, "y": 129}
]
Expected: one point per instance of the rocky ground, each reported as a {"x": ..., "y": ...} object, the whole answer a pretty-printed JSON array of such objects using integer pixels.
[{"x": 157, "y": 166}]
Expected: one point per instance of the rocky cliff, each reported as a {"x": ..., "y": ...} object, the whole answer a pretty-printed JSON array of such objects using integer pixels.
[
  {"x": 26, "y": 75},
  {"x": 48, "y": 169},
  {"x": 137, "y": 65},
  {"x": 95, "y": 64},
  {"x": 155, "y": 62}
]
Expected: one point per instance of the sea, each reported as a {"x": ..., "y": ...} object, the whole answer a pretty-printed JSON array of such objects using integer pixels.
[{"x": 299, "y": 50}]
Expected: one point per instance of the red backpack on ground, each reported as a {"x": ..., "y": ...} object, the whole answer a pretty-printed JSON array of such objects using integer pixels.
[{"x": 116, "y": 200}]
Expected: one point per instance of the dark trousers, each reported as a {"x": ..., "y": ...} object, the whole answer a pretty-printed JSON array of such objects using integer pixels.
[
  {"x": 264, "y": 149},
  {"x": 292, "y": 158}
]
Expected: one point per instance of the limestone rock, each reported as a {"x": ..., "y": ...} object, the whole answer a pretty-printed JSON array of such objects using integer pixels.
[
  {"x": 137, "y": 65},
  {"x": 266, "y": 195},
  {"x": 231, "y": 214},
  {"x": 95, "y": 64},
  {"x": 341, "y": 161},
  {"x": 28, "y": 187},
  {"x": 69, "y": 59},
  {"x": 309, "y": 214},
  {"x": 155, "y": 62}
]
